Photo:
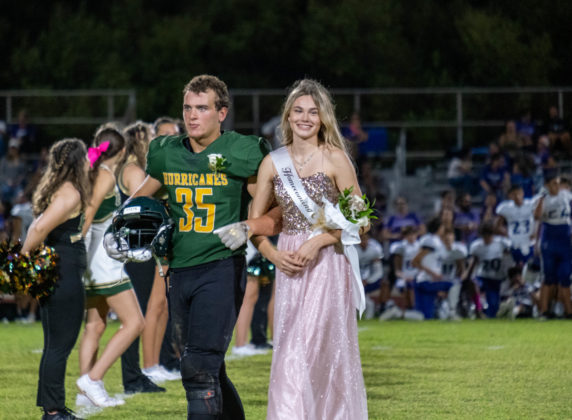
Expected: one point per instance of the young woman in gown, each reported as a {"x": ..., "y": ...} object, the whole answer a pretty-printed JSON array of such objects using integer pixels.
[{"x": 316, "y": 371}]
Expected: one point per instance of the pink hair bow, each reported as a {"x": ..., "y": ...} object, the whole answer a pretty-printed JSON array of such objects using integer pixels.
[{"x": 93, "y": 153}]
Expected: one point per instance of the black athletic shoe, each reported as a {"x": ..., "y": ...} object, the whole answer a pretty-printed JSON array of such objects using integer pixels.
[
  {"x": 263, "y": 346},
  {"x": 62, "y": 414},
  {"x": 144, "y": 384}
]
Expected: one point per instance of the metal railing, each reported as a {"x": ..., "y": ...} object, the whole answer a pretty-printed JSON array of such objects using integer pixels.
[
  {"x": 109, "y": 95},
  {"x": 460, "y": 96}
]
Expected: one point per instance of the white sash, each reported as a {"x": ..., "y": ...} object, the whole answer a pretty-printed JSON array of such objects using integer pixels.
[{"x": 327, "y": 216}]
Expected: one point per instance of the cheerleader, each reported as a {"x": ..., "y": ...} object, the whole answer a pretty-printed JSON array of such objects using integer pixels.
[
  {"x": 106, "y": 283},
  {"x": 58, "y": 203}
]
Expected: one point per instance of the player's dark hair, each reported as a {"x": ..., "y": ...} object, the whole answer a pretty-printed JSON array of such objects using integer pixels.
[
  {"x": 487, "y": 228},
  {"x": 204, "y": 82},
  {"x": 433, "y": 224},
  {"x": 514, "y": 187},
  {"x": 513, "y": 271},
  {"x": 408, "y": 230}
]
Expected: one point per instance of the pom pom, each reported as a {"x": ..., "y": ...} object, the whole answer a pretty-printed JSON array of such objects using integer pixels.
[{"x": 33, "y": 274}]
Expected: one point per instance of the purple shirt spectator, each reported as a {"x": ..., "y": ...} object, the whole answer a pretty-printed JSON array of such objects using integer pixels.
[
  {"x": 466, "y": 221},
  {"x": 402, "y": 218}
]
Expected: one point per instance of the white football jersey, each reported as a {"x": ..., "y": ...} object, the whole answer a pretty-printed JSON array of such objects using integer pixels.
[
  {"x": 491, "y": 257},
  {"x": 372, "y": 253},
  {"x": 408, "y": 251},
  {"x": 520, "y": 223},
  {"x": 450, "y": 257},
  {"x": 433, "y": 260},
  {"x": 556, "y": 208}
]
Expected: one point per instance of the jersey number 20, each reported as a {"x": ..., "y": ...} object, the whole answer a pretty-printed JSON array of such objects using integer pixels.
[{"x": 190, "y": 222}]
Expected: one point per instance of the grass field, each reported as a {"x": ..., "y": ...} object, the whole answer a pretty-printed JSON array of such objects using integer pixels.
[{"x": 432, "y": 370}]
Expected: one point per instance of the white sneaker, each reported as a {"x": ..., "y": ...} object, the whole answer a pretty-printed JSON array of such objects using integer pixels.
[
  {"x": 95, "y": 391},
  {"x": 247, "y": 350},
  {"x": 155, "y": 374},
  {"x": 82, "y": 401},
  {"x": 391, "y": 313},
  {"x": 169, "y": 375}
]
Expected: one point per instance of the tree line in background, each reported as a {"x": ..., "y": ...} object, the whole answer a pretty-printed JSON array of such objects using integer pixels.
[{"x": 156, "y": 46}]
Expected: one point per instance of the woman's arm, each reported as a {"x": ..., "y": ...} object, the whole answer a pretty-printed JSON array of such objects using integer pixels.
[
  {"x": 104, "y": 183},
  {"x": 65, "y": 202},
  {"x": 263, "y": 199},
  {"x": 133, "y": 177}
]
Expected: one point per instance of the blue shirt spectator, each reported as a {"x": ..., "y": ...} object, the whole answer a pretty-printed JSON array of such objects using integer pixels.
[{"x": 402, "y": 218}]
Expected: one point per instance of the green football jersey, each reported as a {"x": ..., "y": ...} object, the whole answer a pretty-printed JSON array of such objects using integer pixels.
[{"x": 201, "y": 200}]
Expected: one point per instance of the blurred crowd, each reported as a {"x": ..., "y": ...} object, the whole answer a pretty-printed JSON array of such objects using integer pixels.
[
  {"x": 479, "y": 181},
  {"x": 439, "y": 266}
]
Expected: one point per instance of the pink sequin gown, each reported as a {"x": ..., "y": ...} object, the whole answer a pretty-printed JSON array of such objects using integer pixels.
[{"x": 316, "y": 371}]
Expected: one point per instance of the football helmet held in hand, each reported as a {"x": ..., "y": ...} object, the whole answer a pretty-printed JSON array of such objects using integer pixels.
[{"x": 140, "y": 229}]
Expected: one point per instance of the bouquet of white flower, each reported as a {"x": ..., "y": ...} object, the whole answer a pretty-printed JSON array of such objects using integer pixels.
[{"x": 356, "y": 209}]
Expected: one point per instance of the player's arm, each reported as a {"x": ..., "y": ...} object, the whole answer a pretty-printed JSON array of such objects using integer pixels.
[
  {"x": 104, "y": 183},
  {"x": 501, "y": 225},
  {"x": 473, "y": 261},
  {"x": 269, "y": 223},
  {"x": 149, "y": 187},
  {"x": 398, "y": 264},
  {"x": 418, "y": 263},
  {"x": 65, "y": 201},
  {"x": 460, "y": 267}
]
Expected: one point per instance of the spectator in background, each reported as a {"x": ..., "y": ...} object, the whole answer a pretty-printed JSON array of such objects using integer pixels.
[
  {"x": 488, "y": 210},
  {"x": 526, "y": 128},
  {"x": 355, "y": 134},
  {"x": 165, "y": 126},
  {"x": 466, "y": 220},
  {"x": 402, "y": 218},
  {"x": 3, "y": 138},
  {"x": 494, "y": 176},
  {"x": 21, "y": 216},
  {"x": 26, "y": 133},
  {"x": 522, "y": 174},
  {"x": 12, "y": 171},
  {"x": 557, "y": 132},
  {"x": 459, "y": 173},
  {"x": 272, "y": 132},
  {"x": 510, "y": 139}
]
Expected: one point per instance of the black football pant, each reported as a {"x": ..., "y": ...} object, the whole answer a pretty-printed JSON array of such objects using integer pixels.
[
  {"x": 205, "y": 303},
  {"x": 142, "y": 276}
]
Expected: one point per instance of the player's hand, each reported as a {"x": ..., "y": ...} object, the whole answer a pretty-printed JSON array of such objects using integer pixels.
[
  {"x": 139, "y": 255},
  {"x": 233, "y": 236},
  {"x": 286, "y": 262},
  {"x": 114, "y": 248}
]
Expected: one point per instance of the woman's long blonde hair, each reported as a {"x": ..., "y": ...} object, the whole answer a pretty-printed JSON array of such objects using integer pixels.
[
  {"x": 66, "y": 162},
  {"x": 329, "y": 133}
]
